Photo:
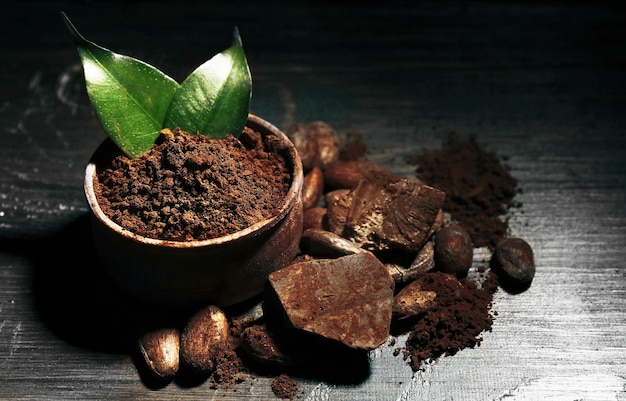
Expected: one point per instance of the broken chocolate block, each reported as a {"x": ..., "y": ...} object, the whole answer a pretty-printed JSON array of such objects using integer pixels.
[
  {"x": 397, "y": 214},
  {"x": 348, "y": 299}
]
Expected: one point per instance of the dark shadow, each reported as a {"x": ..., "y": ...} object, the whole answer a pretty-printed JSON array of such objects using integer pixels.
[
  {"x": 74, "y": 297},
  {"x": 511, "y": 286},
  {"x": 404, "y": 326},
  {"x": 317, "y": 360},
  {"x": 79, "y": 303}
]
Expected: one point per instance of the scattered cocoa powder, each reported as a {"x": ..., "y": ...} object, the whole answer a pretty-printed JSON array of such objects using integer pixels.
[
  {"x": 229, "y": 368},
  {"x": 285, "y": 387},
  {"x": 461, "y": 315},
  {"x": 192, "y": 187},
  {"x": 479, "y": 193},
  {"x": 479, "y": 188}
]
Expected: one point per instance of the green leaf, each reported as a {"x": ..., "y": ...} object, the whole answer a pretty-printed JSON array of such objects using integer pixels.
[
  {"x": 129, "y": 96},
  {"x": 214, "y": 100}
]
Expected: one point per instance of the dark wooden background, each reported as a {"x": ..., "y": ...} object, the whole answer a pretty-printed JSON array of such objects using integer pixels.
[{"x": 540, "y": 82}]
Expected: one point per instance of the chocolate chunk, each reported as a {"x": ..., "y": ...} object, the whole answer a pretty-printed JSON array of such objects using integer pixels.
[
  {"x": 397, "y": 214},
  {"x": 348, "y": 299}
]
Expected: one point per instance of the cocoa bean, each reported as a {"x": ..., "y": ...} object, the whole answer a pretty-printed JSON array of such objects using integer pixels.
[
  {"x": 346, "y": 174},
  {"x": 322, "y": 243},
  {"x": 437, "y": 224},
  {"x": 423, "y": 263},
  {"x": 327, "y": 142},
  {"x": 453, "y": 250},
  {"x": 514, "y": 262},
  {"x": 315, "y": 217},
  {"x": 160, "y": 351},
  {"x": 412, "y": 301},
  {"x": 204, "y": 339},
  {"x": 305, "y": 145},
  {"x": 312, "y": 188}
]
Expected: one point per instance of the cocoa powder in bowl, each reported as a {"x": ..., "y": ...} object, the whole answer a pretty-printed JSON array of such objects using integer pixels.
[{"x": 192, "y": 187}]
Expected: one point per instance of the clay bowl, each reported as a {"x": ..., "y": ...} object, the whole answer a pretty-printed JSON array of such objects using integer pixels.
[{"x": 221, "y": 271}]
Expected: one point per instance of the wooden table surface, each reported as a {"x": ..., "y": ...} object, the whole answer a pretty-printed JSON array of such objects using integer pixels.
[{"x": 540, "y": 82}]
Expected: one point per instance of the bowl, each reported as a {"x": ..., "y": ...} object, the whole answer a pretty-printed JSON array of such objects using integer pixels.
[{"x": 222, "y": 271}]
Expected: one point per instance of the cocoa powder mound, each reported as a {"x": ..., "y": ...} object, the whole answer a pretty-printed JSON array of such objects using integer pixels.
[
  {"x": 479, "y": 188},
  {"x": 462, "y": 313},
  {"x": 192, "y": 187}
]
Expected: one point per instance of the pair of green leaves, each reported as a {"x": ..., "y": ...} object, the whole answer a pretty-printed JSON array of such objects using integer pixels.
[{"x": 134, "y": 100}]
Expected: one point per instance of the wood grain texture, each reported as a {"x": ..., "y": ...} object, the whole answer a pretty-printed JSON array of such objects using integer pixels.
[{"x": 541, "y": 82}]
